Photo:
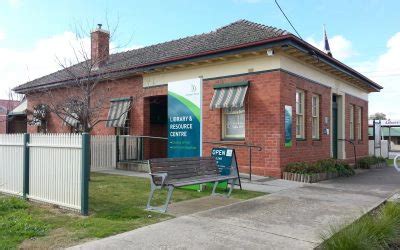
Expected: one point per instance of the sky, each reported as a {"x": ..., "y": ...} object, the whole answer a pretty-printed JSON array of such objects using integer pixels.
[{"x": 364, "y": 34}]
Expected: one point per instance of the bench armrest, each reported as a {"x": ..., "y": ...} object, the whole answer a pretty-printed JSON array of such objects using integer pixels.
[{"x": 161, "y": 174}]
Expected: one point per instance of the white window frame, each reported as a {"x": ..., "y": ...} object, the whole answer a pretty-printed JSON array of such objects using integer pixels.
[
  {"x": 300, "y": 114},
  {"x": 225, "y": 112},
  {"x": 351, "y": 122},
  {"x": 359, "y": 123},
  {"x": 126, "y": 129},
  {"x": 315, "y": 109}
]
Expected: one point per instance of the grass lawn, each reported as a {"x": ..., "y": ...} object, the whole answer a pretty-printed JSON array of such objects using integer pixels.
[
  {"x": 116, "y": 205},
  {"x": 390, "y": 162},
  {"x": 379, "y": 229}
]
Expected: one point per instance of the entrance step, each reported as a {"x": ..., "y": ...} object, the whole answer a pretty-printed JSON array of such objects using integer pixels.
[{"x": 134, "y": 166}]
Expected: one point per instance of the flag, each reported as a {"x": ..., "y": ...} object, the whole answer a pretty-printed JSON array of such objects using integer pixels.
[{"x": 326, "y": 46}]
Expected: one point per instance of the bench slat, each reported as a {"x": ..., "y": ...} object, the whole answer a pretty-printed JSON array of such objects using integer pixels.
[{"x": 187, "y": 171}]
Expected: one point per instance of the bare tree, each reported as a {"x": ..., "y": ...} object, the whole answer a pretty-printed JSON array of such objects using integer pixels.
[{"x": 80, "y": 98}]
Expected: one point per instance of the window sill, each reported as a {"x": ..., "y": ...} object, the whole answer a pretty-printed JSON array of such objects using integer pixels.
[
  {"x": 301, "y": 139},
  {"x": 233, "y": 140}
]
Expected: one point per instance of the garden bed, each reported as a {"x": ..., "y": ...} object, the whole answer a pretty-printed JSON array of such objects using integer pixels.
[
  {"x": 309, "y": 178},
  {"x": 328, "y": 169}
]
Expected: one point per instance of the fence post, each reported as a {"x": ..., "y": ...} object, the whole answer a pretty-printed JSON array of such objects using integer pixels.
[
  {"x": 116, "y": 150},
  {"x": 25, "y": 188},
  {"x": 85, "y": 174}
]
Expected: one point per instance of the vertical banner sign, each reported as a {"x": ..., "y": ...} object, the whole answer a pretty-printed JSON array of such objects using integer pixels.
[
  {"x": 377, "y": 137},
  {"x": 184, "y": 118},
  {"x": 377, "y": 133},
  {"x": 288, "y": 126}
]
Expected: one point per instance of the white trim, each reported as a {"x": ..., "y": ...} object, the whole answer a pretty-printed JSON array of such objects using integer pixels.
[
  {"x": 315, "y": 115},
  {"x": 301, "y": 114}
]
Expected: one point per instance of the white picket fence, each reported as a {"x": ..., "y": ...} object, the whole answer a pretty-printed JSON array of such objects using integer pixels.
[
  {"x": 55, "y": 165},
  {"x": 55, "y": 169},
  {"x": 11, "y": 163},
  {"x": 103, "y": 152}
]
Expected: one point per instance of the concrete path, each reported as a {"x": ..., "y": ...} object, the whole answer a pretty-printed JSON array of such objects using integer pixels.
[
  {"x": 289, "y": 219},
  {"x": 198, "y": 205}
]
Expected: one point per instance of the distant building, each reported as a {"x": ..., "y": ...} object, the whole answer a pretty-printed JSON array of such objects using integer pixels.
[
  {"x": 5, "y": 107},
  {"x": 390, "y": 132},
  {"x": 17, "y": 121}
]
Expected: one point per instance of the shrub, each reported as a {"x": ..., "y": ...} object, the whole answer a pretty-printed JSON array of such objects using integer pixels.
[
  {"x": 327, "y": 165},
  {"x": 296, "y": 167},
  {"x": 344, "y": 169},
  {"x": 322, "y": 166},
  {"x": 379, "y": 230},
  {"x": 367, "y": 162}
]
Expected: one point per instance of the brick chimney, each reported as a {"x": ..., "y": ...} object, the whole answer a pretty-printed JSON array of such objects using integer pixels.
[{"x": 100, "y": 46}]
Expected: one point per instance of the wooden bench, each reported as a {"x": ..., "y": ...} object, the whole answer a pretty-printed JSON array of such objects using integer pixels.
[{"x": 178, "y": 172}]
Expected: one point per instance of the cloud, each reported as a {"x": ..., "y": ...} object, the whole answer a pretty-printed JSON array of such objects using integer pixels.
[
  {"x": 15, "y": 3},
  {"x": 2, "y": 35},
  {"x": 341, "y": 47},
  {"x": 386, "y": 72},
  {"x": 22, "y": 66},
  {"x": 43, "y": 58}
]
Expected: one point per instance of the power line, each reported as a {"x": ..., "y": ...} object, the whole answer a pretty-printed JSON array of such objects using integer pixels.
[{"x": 277, "y": 4}]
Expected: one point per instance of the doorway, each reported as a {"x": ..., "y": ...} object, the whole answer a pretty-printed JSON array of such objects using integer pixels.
[{"x": 158, "y": 126}]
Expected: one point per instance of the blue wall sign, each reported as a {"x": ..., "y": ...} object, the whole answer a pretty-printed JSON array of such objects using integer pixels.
[
  {"x": 184, "y": 118},
  {"x": 288, "y": 126}
]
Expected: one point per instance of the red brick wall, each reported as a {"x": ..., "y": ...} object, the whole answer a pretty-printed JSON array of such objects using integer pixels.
[
  {"x": 262, "y": 121},
  {"x": 309, "y": 149},
  {"x": 3, "y": 123},
  {"x": 361, "y": 143}
]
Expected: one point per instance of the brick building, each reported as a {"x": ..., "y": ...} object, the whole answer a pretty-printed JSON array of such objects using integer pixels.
[
  {"x": 274, "y": 68},
  {"x": 5, "y": 107}
]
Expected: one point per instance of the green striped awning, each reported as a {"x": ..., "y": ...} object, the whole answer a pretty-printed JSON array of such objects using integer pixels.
[
  {"x": 118, "y": 112},
  {"x": 229, "y": 95},
  {"x": 71, "y": 120}
]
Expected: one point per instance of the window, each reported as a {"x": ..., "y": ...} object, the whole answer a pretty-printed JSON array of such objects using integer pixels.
[
  {"x": 315, "y": 116},
  {"x": 125, "y": 130},
  {"x": 233, "y": 123},
  {"x": 359, "y": 123},
  {"x": 351, "y": 122},
  {"x": 300, "y": 114}
]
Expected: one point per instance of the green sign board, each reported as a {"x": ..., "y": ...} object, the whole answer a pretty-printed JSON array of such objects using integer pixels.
[
  {"x": 184, "y": 118},
  {"x": 288, "y": 126},
  {"x": 224, "y": 157},
  {"x": 226, "y": 162}
]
